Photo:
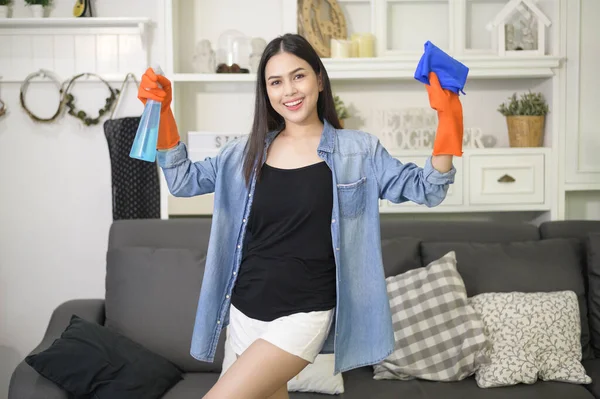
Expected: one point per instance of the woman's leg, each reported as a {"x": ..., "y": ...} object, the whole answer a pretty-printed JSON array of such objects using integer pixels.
[
  {"x": 259, "y": 373},
  {"x": 282, "y": 393}
]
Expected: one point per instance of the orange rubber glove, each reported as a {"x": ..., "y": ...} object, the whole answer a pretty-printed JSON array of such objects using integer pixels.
[
  {"x": 449, "y": 134},
  {"x": 158, "y": 88}
]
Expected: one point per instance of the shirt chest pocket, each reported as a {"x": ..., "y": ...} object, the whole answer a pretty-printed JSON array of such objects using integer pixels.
[{"x": 352, "y": 198}]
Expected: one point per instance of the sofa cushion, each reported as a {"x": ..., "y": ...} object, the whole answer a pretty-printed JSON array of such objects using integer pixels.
[
  {"x": 360, "y": 385},
  {"x": 527, "y": 266},
  {"x": 152, "y": 296},
  {"x": 400, "y": 254},
  {"x": 593, "y": 271},
  {"x": 581, "y": 229},
  {"x": 439, "y": 336},
  {"x": 91, "y": 360},
  {"x": 592, "y": 368},
  {"x": 534, "y": 335},
  {"x": 568, "y": 228},
  {"x": 193, "y": 386},
  {"x": 192, "y": 233},
  {"x": 463, "y": 231}
]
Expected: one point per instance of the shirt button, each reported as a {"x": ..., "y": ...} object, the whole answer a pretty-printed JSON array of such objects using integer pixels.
[
  {"x": 249, "y": 195},
  {"x": 234, "y": 273},
  {"x": 337, "y": 249},
  {"x": 218, "y": 321},
  {"x": 244, "y": 220},
  {"x": 227, "y": 296},
  {"x": 333, "y": 221},
  {"x": 239, "y": 246}
]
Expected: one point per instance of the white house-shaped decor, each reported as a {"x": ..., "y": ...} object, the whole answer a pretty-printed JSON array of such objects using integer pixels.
[{"x": 520, "y": 29}]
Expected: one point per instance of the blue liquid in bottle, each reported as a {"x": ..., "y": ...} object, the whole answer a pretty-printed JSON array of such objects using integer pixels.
[{"x": 146, "y": 137}]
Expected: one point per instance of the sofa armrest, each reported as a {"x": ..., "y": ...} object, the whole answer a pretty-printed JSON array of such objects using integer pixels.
[
  {"x": 592, "y": 368},
  {"x": 25, "y": 382}
]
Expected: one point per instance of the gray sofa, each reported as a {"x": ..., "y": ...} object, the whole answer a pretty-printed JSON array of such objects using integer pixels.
[{"x": 154, "y": 273}]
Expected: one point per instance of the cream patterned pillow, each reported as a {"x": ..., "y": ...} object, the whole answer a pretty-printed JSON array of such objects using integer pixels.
[{"x": 534, "y": 336}]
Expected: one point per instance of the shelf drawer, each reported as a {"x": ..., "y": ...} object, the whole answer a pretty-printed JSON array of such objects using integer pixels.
[{"x": 506, "y": 179}]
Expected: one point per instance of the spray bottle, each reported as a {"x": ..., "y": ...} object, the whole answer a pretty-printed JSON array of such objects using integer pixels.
[{"x": 146, "y": 137}]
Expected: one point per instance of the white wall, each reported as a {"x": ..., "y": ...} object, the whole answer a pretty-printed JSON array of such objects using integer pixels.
[
  {"x": 583, "y": 205},
  {"x": 55, "y": 202}
]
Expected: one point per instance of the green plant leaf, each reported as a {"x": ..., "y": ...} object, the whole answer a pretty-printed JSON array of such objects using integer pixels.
[
  {"x": 44, "y": 3},
  {"x": 528, "y": 104},
  {"x": 340, "y": 108}
]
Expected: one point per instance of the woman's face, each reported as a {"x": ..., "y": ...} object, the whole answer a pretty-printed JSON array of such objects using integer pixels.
[{"x": 293, "y": 88}]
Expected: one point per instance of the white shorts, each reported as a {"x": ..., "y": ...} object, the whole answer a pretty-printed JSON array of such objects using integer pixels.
[{"x": 302, "y": 334}]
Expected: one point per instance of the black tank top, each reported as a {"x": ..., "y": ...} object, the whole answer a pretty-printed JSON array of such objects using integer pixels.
[{"x": 288, "y": 264}]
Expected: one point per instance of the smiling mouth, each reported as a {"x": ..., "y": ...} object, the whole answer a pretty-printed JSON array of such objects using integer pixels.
[{"x": 293, "y": 105}]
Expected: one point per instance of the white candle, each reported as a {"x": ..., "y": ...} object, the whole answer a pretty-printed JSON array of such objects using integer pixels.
[
  {"x": 341, "y": 48},
  {"x": 366, "y": 46},
  {"x": 355, "y": 43}
]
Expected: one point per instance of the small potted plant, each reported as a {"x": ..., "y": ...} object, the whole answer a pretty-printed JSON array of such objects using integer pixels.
[
  {"x": 525, "y": 119},
  {"x": 341, "y": 110},
  {"x": 4, "y": 8},
  {"x": 38, "y": 7}
]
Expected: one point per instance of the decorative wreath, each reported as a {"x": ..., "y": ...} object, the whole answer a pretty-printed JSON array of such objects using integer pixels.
[
  {"x": 25, "y": 85},
  {"x": 70, "y": 101},
  {"x": 2, "y": 108}
]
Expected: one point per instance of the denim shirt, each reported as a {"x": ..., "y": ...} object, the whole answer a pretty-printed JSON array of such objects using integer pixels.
[{"x": 363, "y": 172}]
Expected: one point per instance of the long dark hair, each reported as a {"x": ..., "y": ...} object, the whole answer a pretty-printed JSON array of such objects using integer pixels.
[{"x": 266, "y": 119}]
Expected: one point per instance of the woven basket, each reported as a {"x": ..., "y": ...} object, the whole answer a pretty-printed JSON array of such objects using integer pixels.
[{"x": 525, "y": 130}]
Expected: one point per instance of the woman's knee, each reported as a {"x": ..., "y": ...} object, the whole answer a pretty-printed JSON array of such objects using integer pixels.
[
  {"x": 282, "y": 393},
  {"x": 263, "y": 370}
]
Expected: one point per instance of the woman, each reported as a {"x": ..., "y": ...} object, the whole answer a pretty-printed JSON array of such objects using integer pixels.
[{"x": 294, "y": 260}]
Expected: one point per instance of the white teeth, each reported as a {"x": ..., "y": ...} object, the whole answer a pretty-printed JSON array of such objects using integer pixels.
[{"x": 293, "y": 103}]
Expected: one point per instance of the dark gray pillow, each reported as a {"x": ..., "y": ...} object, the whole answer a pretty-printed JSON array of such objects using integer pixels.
[
  {"x": 593, "y": 269},
  {"x": 151, "y": 297},
  {"x": 400, "y": 254},
  {"x": 524, "y": 266},
  {"x": 89, "y": 360}
]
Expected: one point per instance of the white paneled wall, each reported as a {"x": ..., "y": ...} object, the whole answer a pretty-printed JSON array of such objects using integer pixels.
[
  {"x": 56, "y": 205},
  {"x": 583, "y": 119},
  {"x": 71, "y": 50}
]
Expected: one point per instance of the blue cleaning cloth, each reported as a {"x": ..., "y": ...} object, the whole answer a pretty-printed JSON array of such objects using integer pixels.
[{"x": 451, "y": 73}]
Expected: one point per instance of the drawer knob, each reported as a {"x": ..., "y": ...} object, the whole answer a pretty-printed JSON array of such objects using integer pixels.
[{"x": 506, "y": 179}]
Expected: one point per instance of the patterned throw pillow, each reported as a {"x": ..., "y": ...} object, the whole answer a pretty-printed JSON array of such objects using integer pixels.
[
  {"x": 534, "y": 335},
  {"x": 439, "y": 336}
]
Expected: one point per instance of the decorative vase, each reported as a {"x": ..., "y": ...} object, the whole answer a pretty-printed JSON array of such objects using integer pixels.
[
  {"x": 525, "y": 130},
  {"x": 3, "y": 11},
  {"x": 37, "y": 10}
]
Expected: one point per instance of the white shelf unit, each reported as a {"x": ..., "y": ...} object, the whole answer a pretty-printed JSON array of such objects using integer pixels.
[
  {"x": 479, "y": 186},
  {"x": 480, "y": 67},
  {"x": 199, "y": 99},
  {"x": 107, "y": 22},
  {"x": 110, "y": 47}
]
